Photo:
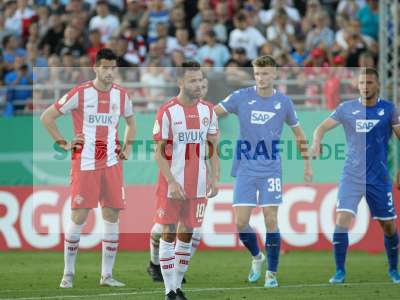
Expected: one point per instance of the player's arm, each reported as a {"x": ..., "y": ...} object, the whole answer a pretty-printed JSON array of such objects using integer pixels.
[
  {"x": 397, "y": 131},
  {"x": 161, "y": 157},
  {"x": 220, "y": 111},
  {"x": 213, "y": 141},
  {"x": 302, "y": 146},
  {"x": 129, "y": 135},
  {"x": 319, "y": 133},
  {"x": 48, "y": 119}
]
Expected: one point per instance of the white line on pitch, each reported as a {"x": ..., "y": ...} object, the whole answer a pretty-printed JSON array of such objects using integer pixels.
[{"x": 194, "y": 290}]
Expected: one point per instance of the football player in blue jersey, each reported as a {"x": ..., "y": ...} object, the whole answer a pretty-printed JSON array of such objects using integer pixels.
[
  {"x": 368, "y": 123},
  {"x": 262, "y": 111}
]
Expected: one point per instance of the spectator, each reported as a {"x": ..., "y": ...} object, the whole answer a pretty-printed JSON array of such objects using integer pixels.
[
  {"x": 155, "y": 77},
  {"x": 202, "y": 7},
  {"x": 11, "y": 22},
  {"x": 178, "y": 20},
  {"x": 369, "y": 19},
  {"x": 23, "y": 17},
  {"x": 70, "y": 43},
  {"x": 134, "y": 12},
  {"x": 268, "y": 16},
  {"x": 299, "y": 55},
  {"x": 201, "y": 32},
  {"x": 16, "y": 81},
  {"x": 239, "y": 55},
  {"x": 245, "y": 37},
  {"x": 162, "y": 32},
  {"x": 307, "y": 22},
  {"x": 234, "y": 74},
  {"x": 4, "y": 31},
  {"x": 267, "y": 49},
  {"x": 178, "y": 58},
  {"x": 33, "y": 58},
  {"x": 184, "y": 45},
  {"x": 349, "y": 8},
  {"x": 105, "y": 22},
  {"x": 217, "y": 52},
  {"x": 43, "y": 20},
  {"x": 95, "y": 44},
  {"x": 11, "y": 50},
  {"x": 53, "y": 36},
  {"x": 321, "y": 35},
  {"x": 137, "y": 51},
  {"x": 156, "y": 13},
  {"x": 253, "y": 10},
  {"x": 366, "y": 60},
  {"x": 157, "y": 52},
  {"x": 224, "y": 24},
  {"x": 282, "y": 32}
]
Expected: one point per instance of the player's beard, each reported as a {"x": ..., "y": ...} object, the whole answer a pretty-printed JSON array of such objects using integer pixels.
[{"x": 192, "y": 95}]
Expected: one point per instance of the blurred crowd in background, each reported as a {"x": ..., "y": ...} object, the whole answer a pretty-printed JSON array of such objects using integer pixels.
[{"x": 150, "y": 36}]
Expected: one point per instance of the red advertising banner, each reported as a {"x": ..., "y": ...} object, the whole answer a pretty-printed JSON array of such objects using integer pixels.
[{"x": 35, "y": 218}]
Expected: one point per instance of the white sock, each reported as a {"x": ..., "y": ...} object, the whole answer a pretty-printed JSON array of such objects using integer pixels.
[
  {"x": 196, "y": 238},
  {"x": 155, "y": 236},
  {"x": 167, "y": 263},
  {"x": 71, "y": 245},
  {"x": 182, "y": 258},
  {"x": 110, "y": 247}
]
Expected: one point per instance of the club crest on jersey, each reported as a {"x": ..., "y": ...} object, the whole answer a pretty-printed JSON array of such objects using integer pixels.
[
  {"x": 156, "y": 128},
  {"x": 78, "y": 199},
  {"x": 206, "y": 121},
  {"x": 114, "y": 108},
  {"x": 191, "y": 137},
  {"x": 261, "y": 117},
  {"x": 381, "y": 112},
  {"x": 365, "y": 125}
]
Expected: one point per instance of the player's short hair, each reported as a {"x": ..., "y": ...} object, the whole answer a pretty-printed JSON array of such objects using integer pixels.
[
  {"x": 187, "y": 66},
  {"x": 264, "y": 61},
  {"x": 105, "y": 53},
  {"x": 369, "y": 71}
]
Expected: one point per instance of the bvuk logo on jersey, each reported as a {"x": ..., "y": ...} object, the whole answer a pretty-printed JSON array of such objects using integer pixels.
[
  {"x": 261, "y": 117},
  {"x": 365, "y": 125}
]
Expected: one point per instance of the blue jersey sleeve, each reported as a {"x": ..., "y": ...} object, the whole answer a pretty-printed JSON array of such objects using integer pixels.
[
  {"x": 337, "y": 115},
  {"x": 291, "y": 116},
  {"x": 231, "y": 103}
]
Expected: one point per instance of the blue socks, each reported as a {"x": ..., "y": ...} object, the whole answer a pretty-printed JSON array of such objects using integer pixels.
[
  {"x": 392, "y": 250},
  {"x": 249, "y": 239},
  {"x": 272, "y": 248},
  {"x": 340, "y": 245}
]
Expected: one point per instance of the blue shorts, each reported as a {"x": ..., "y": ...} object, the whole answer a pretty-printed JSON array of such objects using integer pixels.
[
  {"x": 253, "y": 191},
  {"x": 379, "y": 199}
]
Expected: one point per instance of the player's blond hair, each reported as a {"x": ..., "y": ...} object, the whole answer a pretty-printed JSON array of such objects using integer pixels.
[{"x": 264, "y": 61}]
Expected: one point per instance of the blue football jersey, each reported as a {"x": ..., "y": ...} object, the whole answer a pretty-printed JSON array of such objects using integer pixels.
[
  {"x": 261, "y": 120},
  {"x": 368, "y": 131}
]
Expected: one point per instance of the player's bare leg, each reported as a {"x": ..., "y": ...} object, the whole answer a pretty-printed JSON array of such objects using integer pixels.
[
  {"x": 392, "y": 248},
  {"x": 340, "y": 244},
  {"x": 71, "y": 245},
  {"x": 249, "y": 239},
  {"x": 272, "y": 245},
  {"x": 109, "y": 246},
  {"x": 183, "y": 247}
]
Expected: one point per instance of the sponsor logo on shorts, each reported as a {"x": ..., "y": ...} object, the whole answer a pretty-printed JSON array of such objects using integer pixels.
[{"x": 161, "y": 212}]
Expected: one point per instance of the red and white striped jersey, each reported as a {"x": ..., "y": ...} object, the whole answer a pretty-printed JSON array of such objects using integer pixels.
[
  {"x": 185, "y": 128},
  {"x": 95, "y": 114}
]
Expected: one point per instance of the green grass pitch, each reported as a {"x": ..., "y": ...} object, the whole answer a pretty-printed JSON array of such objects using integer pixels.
[{"x": 212, "y": 275}]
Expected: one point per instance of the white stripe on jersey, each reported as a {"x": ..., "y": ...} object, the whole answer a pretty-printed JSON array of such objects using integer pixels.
[
  {"x": 179, "y": 150},
  {"x": 115, "y": 110},
  {"x": 204, "y": 114},
  {"x": 89, "y": 108},
  {"x": 165, "y": 127}
]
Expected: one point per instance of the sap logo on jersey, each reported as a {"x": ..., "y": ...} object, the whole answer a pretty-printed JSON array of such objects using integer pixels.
[
  {"x": 101, "y": 119},
  {"x": 191, "y": 137},
  {"x": 365, "y": 125},
  {"x": 261, "y": 117}
]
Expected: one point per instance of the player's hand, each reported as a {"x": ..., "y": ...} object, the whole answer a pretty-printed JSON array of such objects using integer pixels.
[
  {"x": 177, "y": 191},
  {"x": 315, "y": 149},
  {"x": 308, "y": 173},
  {"x": 124, "y": 154},
  {"x": 77, "y": 142},
  {"x": 212, "y": 189}
]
